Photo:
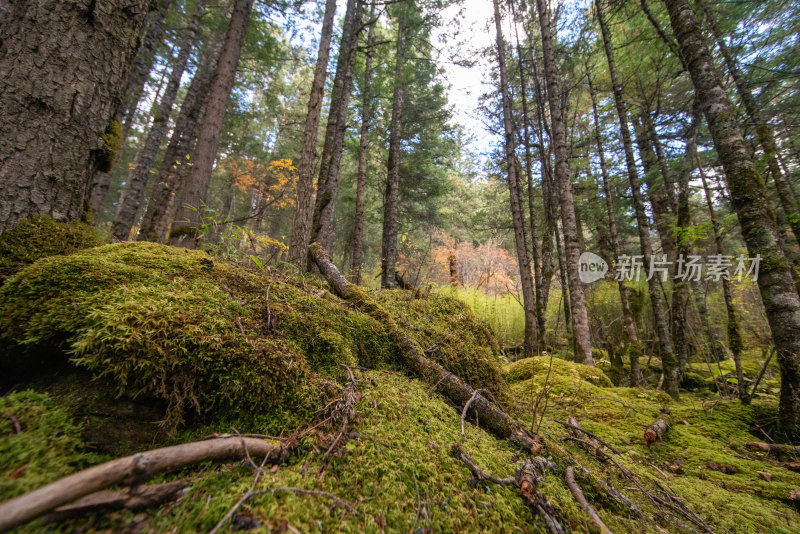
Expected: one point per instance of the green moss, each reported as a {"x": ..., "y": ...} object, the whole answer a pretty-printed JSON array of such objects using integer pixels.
[
  {"x": 112, "y": 142},
  {"x": 40, "y": 237}
]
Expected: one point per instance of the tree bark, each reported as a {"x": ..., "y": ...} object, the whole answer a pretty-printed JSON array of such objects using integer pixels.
[
  {"x": 363, "y": 146},
  {"x": 65, "y": 66},
  {"x": 301, "y": 222},
  {"x": 517, "y": 215},
  {"x": 656, "y": 298},
  {"x": 142, "y": 66},
  {"x": 187, "y": 225},
  {"x": 392, "y": 195},
  {"x": 634, "y": 348},
  {"x": 328, "y": 181},
  {"x": 132, "y": 196},
  {"x": 778, "y": 293},
  {"x": 178, "y": 155},
  {"x": 580, "y": 319}
]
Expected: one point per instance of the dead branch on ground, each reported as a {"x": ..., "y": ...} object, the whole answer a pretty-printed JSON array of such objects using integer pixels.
[{"x": 575, "y": 489}]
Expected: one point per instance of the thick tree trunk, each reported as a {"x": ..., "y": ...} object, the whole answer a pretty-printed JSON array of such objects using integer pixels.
[
  {"x": 174, "y": 165},
  {"x": 392, "y": 196},
  {"x": 517, "y": 214},
  {"x": 142, "y": 66},
  {"x": 656, "y": 298},
  {"x": 132, "y": 196},
  {"x": 301, "y": 222},
  {"x": 580, "y": 319},
  {"x": 328, "y": 182},
  {"x": 363, "y": 146},
  {"x": 634, "y": 348},
  {"x": 185, "y": 230},
  {"x": 758, "y": 229},
  {"x": 65, "y": 66}
]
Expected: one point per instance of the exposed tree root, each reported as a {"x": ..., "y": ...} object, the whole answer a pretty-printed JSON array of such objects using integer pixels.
[
  {"x": 132, "y": 470},
  {"x": 575, "y": 489},
  {"x": 451, "y": 386}
]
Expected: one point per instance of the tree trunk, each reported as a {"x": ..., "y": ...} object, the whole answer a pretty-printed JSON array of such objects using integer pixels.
[
  {"x": 764, "y": 133},
  {"x": 363, "y": 145},
  {"x": 680, "y": 290},
  {"x": 734, "y": 337},
  {"x": 185, "y": 230},
  {"x": 656, "y": 298},
  {"x": 133, "y": 194},
  {"x": 517, "y": 215},
  {"x": 328, "y": 182},
  {"x": 392, "y": 196},
  {"x": 142, "y": 66},
  {"x": 65, "y": 66},
  {"x": 301, "y": 222},
  {"x": 747, "y": 192},
  {"x": 634, "y": 348},
  {"x": 580, "y": 318}
]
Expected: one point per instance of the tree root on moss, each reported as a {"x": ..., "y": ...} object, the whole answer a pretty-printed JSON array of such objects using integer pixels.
[
  {"x": 131, "y": 471},
  {"x": 526, "y": 480},
  {"x": 451, "y": 386},
  {"x": 576, "y": 491},
  {"x": 776, "y": 449}
]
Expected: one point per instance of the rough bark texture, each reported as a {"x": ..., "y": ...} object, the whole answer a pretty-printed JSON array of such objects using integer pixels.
[
  {"x": 758, "y": 229},
  {"x": 65, "y": 66},
  {"x": 517, "y": 214},
  {"x": 363, "y": 145},
  {"x": 655, "y": 431},
  {"x": 301, "y": 223},
  {"x": 580, "y": 319},
  {"x": 634, "y": 347},
  {"x": 328, "y": 182},
  {"x": 132, "y": 196},
  {"x": 131, "y": 470},
  {"x": 174, "y": 165},
  {"x": 392, "y": 196},
  {"x": 656, "y": 298},
  {"x": 185, "y": 230},
  {"x": 142, "y": 66}
]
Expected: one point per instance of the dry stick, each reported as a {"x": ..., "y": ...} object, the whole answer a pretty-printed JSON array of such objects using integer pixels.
[
  {"x": 588, "y": 433},
  {"x": 436, "y": 385},
  {"x": 248, "y": 493},
  {"x": 761, "y": 374},
  {"x": 337, "y": 501},
  {"x": 129, "y": 470},
  {"x": 578, "y": 494},
  {"x": 467, "y": 405},
  {"x": 479, "y": 473}
]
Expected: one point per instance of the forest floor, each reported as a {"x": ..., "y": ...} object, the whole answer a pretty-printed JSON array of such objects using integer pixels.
[{"x": 129, "y": 347}]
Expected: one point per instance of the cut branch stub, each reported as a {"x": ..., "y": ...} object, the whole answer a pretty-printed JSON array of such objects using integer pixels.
[{"x": 654, "y": 432}]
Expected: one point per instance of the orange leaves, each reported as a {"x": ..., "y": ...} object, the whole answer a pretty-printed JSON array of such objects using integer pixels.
[{"x": 274, "y": 183}]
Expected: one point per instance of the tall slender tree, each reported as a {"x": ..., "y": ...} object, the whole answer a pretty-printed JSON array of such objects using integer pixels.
[
  {"x": 301, "y": 223},
  {"x": 185, "y": 229},
  {"x": 580, "y": 320}
]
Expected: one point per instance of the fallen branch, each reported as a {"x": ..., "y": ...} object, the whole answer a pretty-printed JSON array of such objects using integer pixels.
[
  {"x": 130, "y": 470},
  {"x": 579, "y": 497},
  {"x": 527, "y": 478},
  {"x": 776, "y": 449},
  {"x": 479, "y": 473},
  {"x": 572, "y": 424},
  {"x": 493, "y": 417},
  {"x": 136, "y": 498},
  {"x": 654, "y": 432},
  {"x": 761, "y": 374},
  {"x": 240, "y": 502}
]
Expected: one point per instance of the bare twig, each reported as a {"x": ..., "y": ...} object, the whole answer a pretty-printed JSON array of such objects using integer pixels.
[
  {"x": 588, "y": 433},
  {"x": 240, "y": 502},
  {"x": 581, "y": 499}
]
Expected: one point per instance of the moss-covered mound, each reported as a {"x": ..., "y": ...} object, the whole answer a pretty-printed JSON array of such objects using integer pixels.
[
  {"x": 40, "y": 237},
  {"x": 205, "y": 336}
]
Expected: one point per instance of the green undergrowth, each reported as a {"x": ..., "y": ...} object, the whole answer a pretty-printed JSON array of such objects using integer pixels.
[{"x": 214, "y": 340}]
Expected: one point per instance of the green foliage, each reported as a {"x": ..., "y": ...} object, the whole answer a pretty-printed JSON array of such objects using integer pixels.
[{"x": 40, "y": 237}]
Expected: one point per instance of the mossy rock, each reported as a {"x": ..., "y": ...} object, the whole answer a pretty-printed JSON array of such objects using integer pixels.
[
  {"x": 538, "y": 366},
  {"x": 39, "y": 237}
]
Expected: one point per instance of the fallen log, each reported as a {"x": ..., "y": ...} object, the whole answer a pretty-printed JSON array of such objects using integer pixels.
[
  {"x": 654, "y": 432},
  {"x": 777, "y": 449},
  {"x": 492, "y": 417},
  {"x": 129, "y": 471},
  {"x": 581, "y": 500},
  {"x": 136, "y": 498}
]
